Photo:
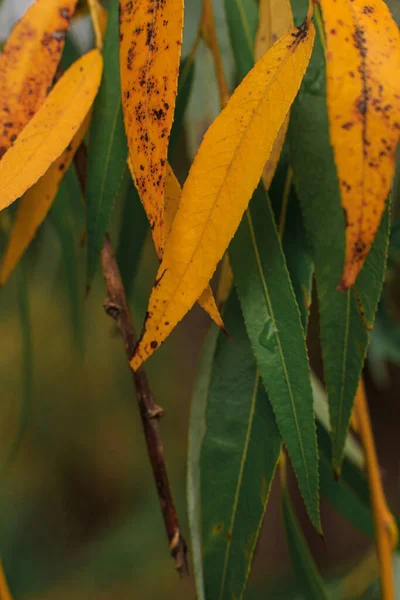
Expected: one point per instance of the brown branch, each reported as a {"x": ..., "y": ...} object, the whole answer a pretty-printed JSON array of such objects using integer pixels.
[{"x": 117, "y": 307}]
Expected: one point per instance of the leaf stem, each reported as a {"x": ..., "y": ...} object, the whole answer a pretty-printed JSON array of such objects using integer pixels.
[
  {"x": 95, "y": 16},
  {"x": 117, "y": 307},
  {"x": 285, "y": 200},
  {"x": 385, "y": 527},
  {"x": 208, "y": 32}
]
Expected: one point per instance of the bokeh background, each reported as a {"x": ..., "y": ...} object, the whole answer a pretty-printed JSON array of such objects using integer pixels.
[{"x": 79, "y": 516}]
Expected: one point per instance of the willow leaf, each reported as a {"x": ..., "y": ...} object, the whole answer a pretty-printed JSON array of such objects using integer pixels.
[
  {"x": 234, "y": 450},
  {"x": 108, "y": 148},
  {"x": 344, "y": 337}
]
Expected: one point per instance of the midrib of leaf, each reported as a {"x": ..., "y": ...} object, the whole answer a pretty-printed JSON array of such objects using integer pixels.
[
  {"x": 245, "y": 23},
  {"x": 268, "y": 299},
  {"x": 107, "y": 161},
  {"x": 231, "y": 162},
  {"x": 239, "y": 481},
  {"x": 339, "y": 417}
]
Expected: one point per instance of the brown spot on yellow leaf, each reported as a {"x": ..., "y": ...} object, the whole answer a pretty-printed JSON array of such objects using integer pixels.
[
  {"x": 364, "y": 113},
  {"x": 150, "y": 49},
  {"x": 28, "y": 64}
]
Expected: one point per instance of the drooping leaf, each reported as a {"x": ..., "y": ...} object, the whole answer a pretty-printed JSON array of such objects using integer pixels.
[
  {"x": 132, "y": 235},
  {"x": 275, "y": 330},
  {"x": 35, "y": 205},
  {"x": 344, "y": 337},
  {"x": 363, "y": 51},
  {"x": 242, "y": 17},
  {"x": 52, "y": 128},
  {"x": 275, "y": 20},
  {"x": 61, "y": 217},
  {"x": 234, "y": 450},
  {"x": 150, "y": 49},
  {"x": 28, "y": 63},
  {"x": 220, "y": 183},
  {"x": 108, "y": 148},
  {"x": 185, "y": 83},
  {"x": 172, "y": 200},
  {"x": 308, "y": 577}
]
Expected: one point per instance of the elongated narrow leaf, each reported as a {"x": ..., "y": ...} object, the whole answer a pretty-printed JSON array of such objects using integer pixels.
[
  {"x": 275, "y": 20},
  {"x": 150, "y": 49},
  {"x": 309, "y": 580},
  {"x": 274, "y": 327},
  {"x": 344, "y": 337},
  {"x": 108, "y": 147},
  {"x": 61, "y": 217},
  {"x": 363, "y": 49},
  {"x": 35, "y": 205},
  {"x": 172, "y": 201},
  {"x": 242, "y": 17},
  {"x": 221, "y": 182},
  {"x": 185, "y": 83},
  {"x": 133, "y": 232},
  {"x": 52, "y": 128},
  {"x": 28, "y": 63},
  {"x": 237, "y": 443}
]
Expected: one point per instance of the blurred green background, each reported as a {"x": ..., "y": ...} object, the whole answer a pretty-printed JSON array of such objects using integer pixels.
[{"x": 79, "y": 516}]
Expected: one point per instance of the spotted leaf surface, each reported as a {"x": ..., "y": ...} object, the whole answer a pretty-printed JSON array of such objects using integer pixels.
[
  {"x": 28, "y": 64},
  {"x": 221, "y": 181},
  {"x": 35, "y": 205},
  {"x": 150, "y": 50},
  {"x": 363, "y": 54},
  {"x": 53, "y": 127}
]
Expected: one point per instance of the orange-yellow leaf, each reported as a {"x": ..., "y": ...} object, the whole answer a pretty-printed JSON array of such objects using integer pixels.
[
  {"x": 363, "y": 66},
  {"x": 28, "y": 64},
  {"x": 52, "y": 128},
  {"x": 150, "y": 50},
  {"x": 173, "y": 194},
  {"x": 35, "y": 205},
  {"x": 276, "y": 18},
  {"x": 221, "y": 181}
]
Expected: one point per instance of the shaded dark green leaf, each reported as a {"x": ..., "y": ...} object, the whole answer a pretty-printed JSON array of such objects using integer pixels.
[
  {"x": 235, "y": 435},
  {"x": 308, "y": 577},
  {"x": 344, "y": 338},
  {"x": 242, "y": 19},
  {"x": 275, "y": 330},
  {"x": 185, "y": 82},
  {"x": 108, "y": 148}
]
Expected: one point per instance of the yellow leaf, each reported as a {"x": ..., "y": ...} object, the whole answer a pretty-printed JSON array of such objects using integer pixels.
[
  {"x": 150, "y": 49},
  {"x": 363, "y": 66},
  {"x": 28, "y": 64},
  {"x": 276, "y": 18},
  {"x": 221, "y": 181},
  {"x": 52, "y": 128},
  {"x": 172, "y": 199},
  {"x": 35, "y": 205}
]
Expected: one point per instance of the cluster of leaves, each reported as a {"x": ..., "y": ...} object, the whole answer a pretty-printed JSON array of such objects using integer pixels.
[{"x": 289, "y": 184}]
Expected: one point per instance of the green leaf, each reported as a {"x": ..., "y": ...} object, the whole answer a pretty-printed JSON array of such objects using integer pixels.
[
  {"x": 308, "y": 577},
  {"x": 344, "y": 338},
  {"x": 133, "y": 231},
  {"x": 61, "y": 217},
  {"x": 185, "y": 83},
  {"x": 242, "y": 18},
  {"x": 275, "y": 330},
  {"x": 197, "y": 432},
  {"x": 108, "y": 148},
  {"x": 27, "y": 364},
  {"x": 234, "y": 433},
  {"x": 269, "y": 305}
]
